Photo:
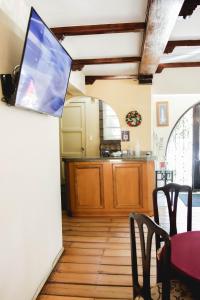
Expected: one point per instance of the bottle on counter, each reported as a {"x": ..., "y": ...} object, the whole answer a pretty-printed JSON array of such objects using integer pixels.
[{"x": 137, "y": 149}]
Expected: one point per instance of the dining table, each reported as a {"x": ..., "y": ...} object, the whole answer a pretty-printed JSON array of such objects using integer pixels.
[{"x": 185, "y": 254}]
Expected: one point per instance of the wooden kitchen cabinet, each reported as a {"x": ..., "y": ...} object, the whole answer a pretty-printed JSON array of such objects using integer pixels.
[{"x": 109, "y": 187}]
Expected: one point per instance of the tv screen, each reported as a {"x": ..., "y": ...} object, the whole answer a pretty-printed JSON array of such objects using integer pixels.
[{"x": 44, "y": 70}]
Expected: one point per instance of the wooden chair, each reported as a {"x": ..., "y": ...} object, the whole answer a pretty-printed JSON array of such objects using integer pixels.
[
  {"x": 171, "y": 192},
  {"x": 166, "y": 289}
]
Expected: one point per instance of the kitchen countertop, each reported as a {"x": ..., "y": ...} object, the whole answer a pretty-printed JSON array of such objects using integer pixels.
[{"x": 101, "y": 158}]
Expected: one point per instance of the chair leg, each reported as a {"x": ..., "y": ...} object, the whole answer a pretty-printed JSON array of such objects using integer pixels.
[{"x": 160, "y": 271}]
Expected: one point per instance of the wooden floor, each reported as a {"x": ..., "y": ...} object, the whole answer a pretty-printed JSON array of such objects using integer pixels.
[
  {"x": 95, "y": 263},
  {"x": 96, "y": 260}
]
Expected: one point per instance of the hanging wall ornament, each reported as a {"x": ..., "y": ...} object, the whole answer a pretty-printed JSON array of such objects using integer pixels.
[{"x": 133, "y": 118}]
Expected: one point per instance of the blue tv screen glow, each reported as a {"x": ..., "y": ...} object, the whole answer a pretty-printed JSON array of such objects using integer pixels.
[{"x": 44, "y": 72}]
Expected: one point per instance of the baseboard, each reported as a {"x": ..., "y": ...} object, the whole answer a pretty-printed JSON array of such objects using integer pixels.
[{"x": 48, "y": 273}]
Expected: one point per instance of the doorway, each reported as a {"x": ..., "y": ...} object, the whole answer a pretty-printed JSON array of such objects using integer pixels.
[{"x": 183, "y": 148}]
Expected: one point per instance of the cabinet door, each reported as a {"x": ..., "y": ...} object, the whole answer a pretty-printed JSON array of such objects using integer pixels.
[
  {"x": 88, "y": 180},
  {"x": 127, "y": 185}
]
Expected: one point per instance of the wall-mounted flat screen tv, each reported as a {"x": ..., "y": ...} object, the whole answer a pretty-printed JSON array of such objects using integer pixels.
[{"x": 44, "y": 70}]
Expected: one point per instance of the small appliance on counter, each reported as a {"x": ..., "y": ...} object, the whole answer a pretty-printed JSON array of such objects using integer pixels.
[
  {"x": 110, "y": 146},
  {"x": 105, "y": 153},
  {"x": 116, "y": 154}
]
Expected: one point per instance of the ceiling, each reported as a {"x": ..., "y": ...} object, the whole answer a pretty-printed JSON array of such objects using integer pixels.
[{"x": 123, "y": 52}]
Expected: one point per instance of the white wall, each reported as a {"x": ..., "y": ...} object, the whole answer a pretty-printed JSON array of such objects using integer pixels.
[
  {"x": 76, "y": 85},
  {"x": 178, "y": 104},
  {"x": 177, "y": 81},
  {"x": 30, "y": 222}
]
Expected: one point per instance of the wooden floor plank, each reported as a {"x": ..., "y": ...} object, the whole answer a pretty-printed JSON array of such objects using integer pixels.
[
  {"x": 92, "y": 268},
  {"x": 119, "y": 229},
  {"x": 88, "y": 219},
  {"x": 76, "y": 290},
  {"x": 116, "y": 260},
  {"x": 77, "y": 268},
  {"x": 91, "y": 279},
  {"x": 81, "y": 259},
  {"x": 85, "y": 228},
  {"x": 118, "y": 240},
  {"x": 114, "y": 269},
  {"x": 96, "y": 234},
  {"x": 73, "y": 278},
  {"x": 117, "y": 252},
  {"x": 95, "y": 224},
  {"x": 99, "y": 246},
  {"x": 92, "y": 219},
  {"x": 84, "y": 239},
  {"x": 118, "y": 280},
  {"x": 119, "y": 219},
  {"x": 84, "y": 251},
  {"x": 54, "y": 297}
]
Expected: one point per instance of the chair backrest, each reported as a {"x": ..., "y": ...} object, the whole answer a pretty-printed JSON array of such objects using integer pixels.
[
  {"x": 171, "y": 192},
  {"x": 145, "y": 238}
]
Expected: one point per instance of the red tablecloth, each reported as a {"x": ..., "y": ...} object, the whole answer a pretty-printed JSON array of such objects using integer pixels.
[{"x": 185, "y": 253}]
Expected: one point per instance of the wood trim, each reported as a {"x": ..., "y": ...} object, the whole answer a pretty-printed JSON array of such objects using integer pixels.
[
  {"x": 78, "y": 64},
  {"x": 98, "y": 29},
  {"x": 172, "y": 44},
  {"x": 188, "y": 7},
  {"x": 161, "y": 19},
  {"x": 177, "y": 65},
  {"x": 92, "y": 79}
]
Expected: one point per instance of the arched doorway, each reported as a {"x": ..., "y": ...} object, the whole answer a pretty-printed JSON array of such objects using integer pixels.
[{"x": 182, "y": 151}]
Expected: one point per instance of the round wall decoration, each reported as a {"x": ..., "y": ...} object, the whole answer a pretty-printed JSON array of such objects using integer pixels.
[{"x": 133, "y": 118}]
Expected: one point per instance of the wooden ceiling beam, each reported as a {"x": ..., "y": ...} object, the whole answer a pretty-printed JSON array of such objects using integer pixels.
[
  {"x": 145, "y": 79},
  {"x": 177, "y": 65},
  {"x": 161, "y": 18},
  {"x": 188, "y": 7},
  {"x": 78, "y": 64},
  {"x": 92, "y": 79},
  {"x": 98, "y": 29},
  {"x": 172, "y": 44}
]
